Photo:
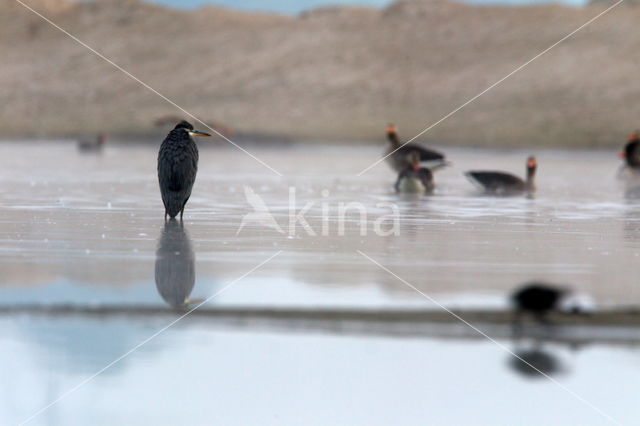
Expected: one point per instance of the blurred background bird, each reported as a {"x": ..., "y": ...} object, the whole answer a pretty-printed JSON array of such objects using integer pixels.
[
  {"x": 502, "y": 183},
  {"x": 177, "y": 168},
  {"x": 398, "y": 154},
  {"x": 415, "y": 179},
  {"x": 631, "y": 152},
  {"x": 95, "y": 145},
  {"x": 538, "y": 299}
]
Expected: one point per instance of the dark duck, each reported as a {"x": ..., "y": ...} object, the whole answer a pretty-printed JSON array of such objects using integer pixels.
[
  {"x": 631, "y": 153},
  {"x": 415, "y": 179},
  {"x": 398, "y": 154},
  {"x": 538, "y": 299},
  {"x": 630, "y": 170},
  {"x": 502, "y": 183}
]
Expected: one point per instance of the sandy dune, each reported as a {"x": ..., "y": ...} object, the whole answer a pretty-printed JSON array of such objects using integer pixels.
[{"x": 336, "y": 73}]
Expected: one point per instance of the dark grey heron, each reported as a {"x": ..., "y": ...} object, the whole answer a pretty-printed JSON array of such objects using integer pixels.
[{"x": 177, "y": 168}]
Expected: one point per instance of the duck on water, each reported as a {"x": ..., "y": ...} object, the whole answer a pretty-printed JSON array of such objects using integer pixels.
[
  {"x": 415, "y": 179},
  {"x": 631, "y": 156},
  {"x": 397, "y": 154},
  {"x": 502, "y": 183}
]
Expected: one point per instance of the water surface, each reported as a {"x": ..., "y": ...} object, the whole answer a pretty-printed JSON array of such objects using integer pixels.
[{"x": 88, "y": 230}]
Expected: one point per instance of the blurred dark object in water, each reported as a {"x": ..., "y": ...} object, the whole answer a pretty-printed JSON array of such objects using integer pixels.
[
  {"x": 170, "y": 120},
  {"x": 538, "y": 299},
  {"x": 398, "y": 154},
  {"x": 630, "y": 170},
  {"x": 93, "y": 146},
  {"x": 415, "y": 179},
  {"x": 631, "y": 153},
  {"x": 531, "y": 362},
  {"x": 175, "y": 270},
  {"x": 501, "y": 183}
]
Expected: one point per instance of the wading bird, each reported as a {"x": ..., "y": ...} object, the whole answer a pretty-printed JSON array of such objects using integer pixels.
[
  {"x": 398, "y": 154},
  {"x": 502, "y": 183},
  {"x": 415, "y": 179},
  {"x": 177, "y": 168}
]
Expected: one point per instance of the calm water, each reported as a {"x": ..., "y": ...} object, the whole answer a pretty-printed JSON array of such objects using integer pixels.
[{"x": 87, "y": 230}]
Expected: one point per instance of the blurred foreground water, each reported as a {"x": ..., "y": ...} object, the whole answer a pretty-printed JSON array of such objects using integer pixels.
[{"x": 88, "y": 231}]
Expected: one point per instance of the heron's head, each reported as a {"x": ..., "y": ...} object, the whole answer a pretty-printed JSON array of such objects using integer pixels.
[{"x": 187, "y": 127}]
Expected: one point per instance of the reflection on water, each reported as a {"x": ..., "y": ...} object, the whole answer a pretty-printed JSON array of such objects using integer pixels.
[
  {"x": 183, "y": 377},
  {"x": 101, "y": 232},
  {"x": 175, "y": 270},
  {"x": 93, "y": 241},
  {"x": 529, "y": 362},
  {"x": 632, "y": 199}
]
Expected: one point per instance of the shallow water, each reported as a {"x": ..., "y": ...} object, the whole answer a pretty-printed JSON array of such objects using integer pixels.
[{"x": 88, "y": 230}]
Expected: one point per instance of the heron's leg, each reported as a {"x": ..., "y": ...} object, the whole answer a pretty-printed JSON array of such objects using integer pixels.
[
  {"x": 165, "y": 216},
  {"x": 181, "y": 213}
]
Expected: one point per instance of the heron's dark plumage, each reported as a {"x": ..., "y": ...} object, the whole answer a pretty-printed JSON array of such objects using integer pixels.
[{"x": 177, "y": 168}]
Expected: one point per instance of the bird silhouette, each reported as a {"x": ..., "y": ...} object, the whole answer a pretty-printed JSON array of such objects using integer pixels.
[{"x": 177, "y": 168}]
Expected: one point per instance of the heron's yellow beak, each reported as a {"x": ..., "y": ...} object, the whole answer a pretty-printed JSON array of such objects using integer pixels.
[{"x": 198, "y": 133}]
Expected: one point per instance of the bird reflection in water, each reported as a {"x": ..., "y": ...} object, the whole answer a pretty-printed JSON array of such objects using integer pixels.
[
  {"x": 175, "y": 270},
  {"x": 531, "y": 362}
]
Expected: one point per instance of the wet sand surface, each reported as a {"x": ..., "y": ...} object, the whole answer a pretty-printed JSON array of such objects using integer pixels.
[{"x": 87, "y": 231}]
